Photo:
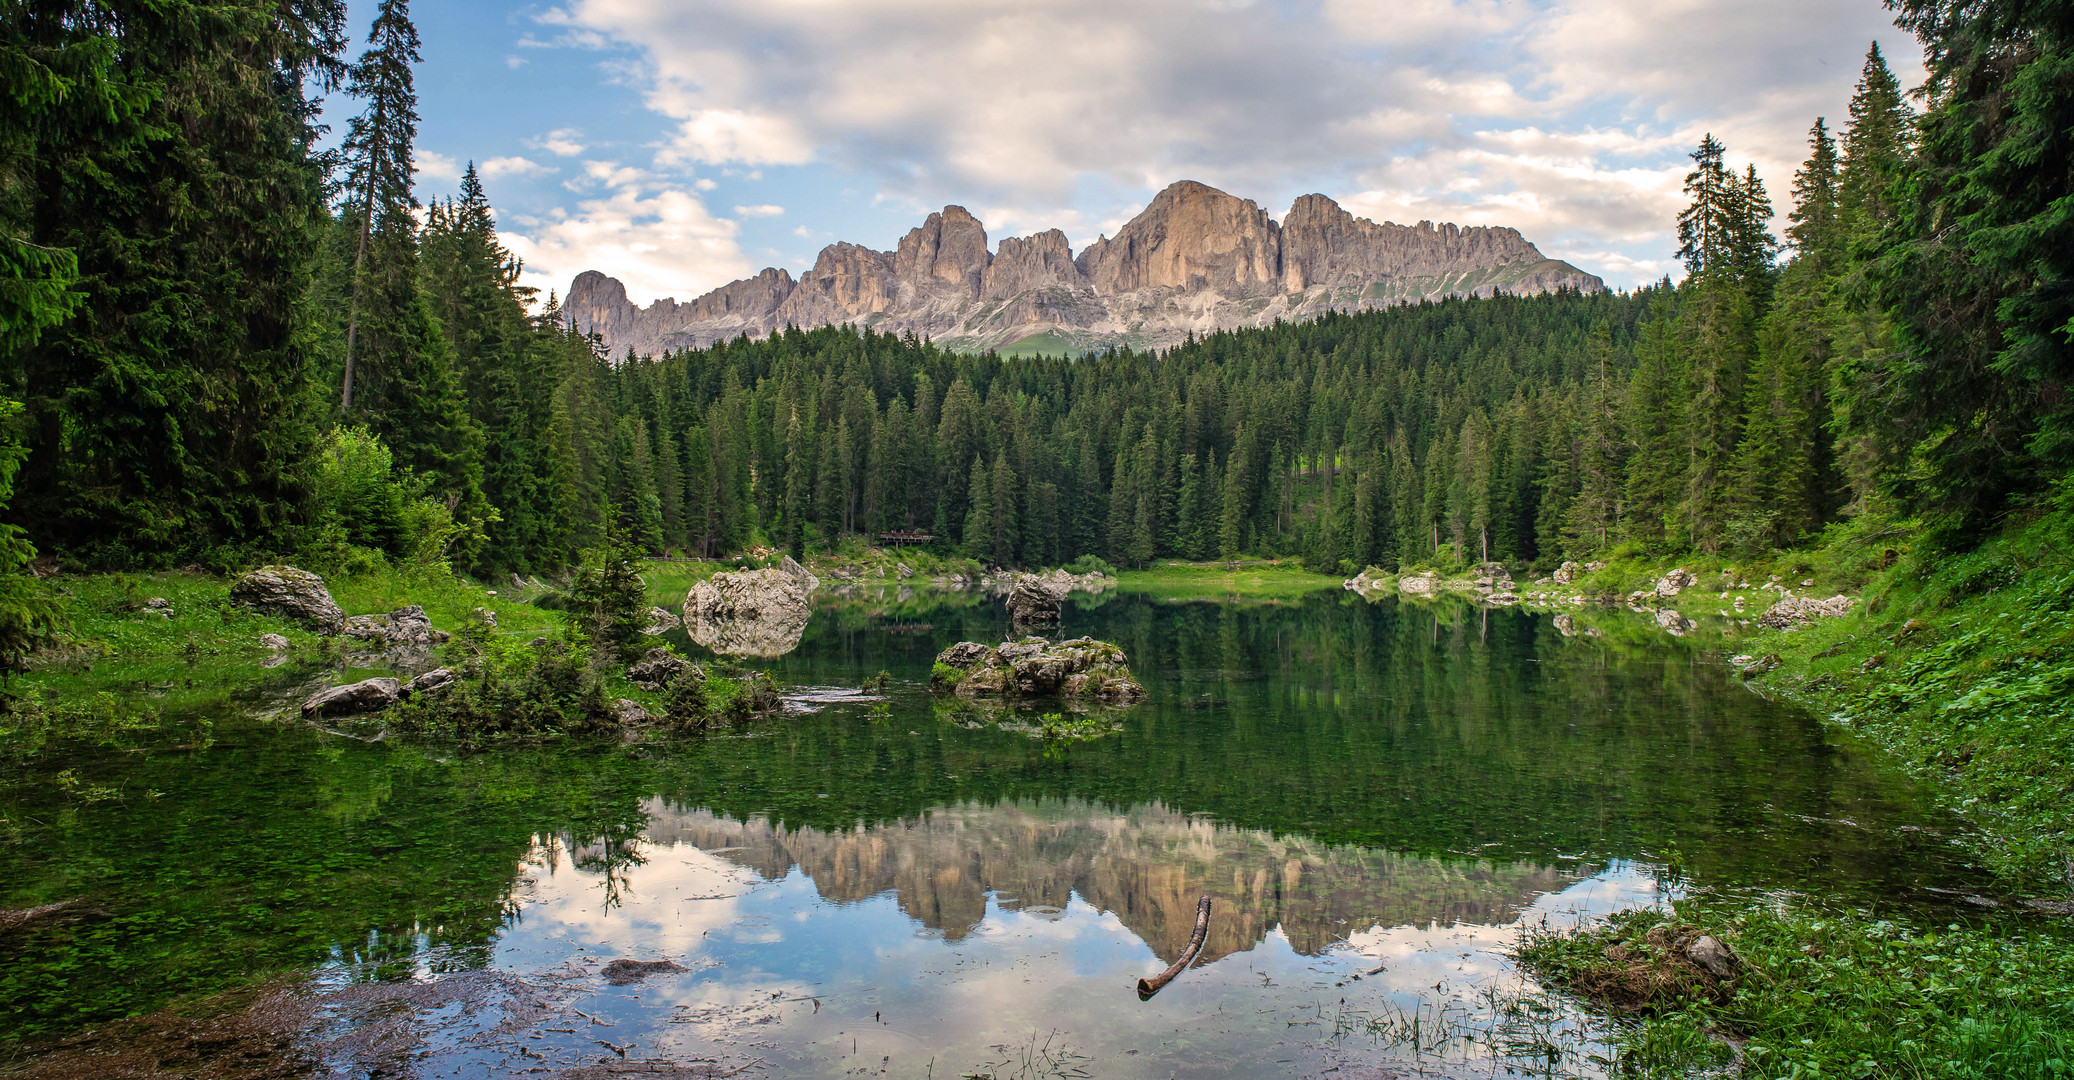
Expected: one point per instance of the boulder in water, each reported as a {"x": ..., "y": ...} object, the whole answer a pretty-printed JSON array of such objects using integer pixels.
[
  {"x": 1034, "y": 602},
  {"x": 752, "y": 612},
  {"x": 1080, "y": 668},
  {"x": 372, "y": 695},
  {"x": 1425, "y": 584},
  {"x": 296, "y": 595},
  {"x": 438, "y": 680}
]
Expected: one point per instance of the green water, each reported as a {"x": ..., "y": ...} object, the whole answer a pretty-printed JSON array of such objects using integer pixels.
[{"x": 1355, "y": 785}]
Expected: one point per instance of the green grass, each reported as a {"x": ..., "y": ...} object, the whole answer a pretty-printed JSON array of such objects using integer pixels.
[
  {"x": 1840, "y": 994},
  {"x": 107, "y": 619},
  {"x": 1264, "y": 580},
  {"x": 1048, "y": 343},
  {"x": 1964, "y": 668}
]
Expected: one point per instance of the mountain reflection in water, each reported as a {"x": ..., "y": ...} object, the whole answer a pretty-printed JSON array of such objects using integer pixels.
[{"x": 1146, "y": 865}]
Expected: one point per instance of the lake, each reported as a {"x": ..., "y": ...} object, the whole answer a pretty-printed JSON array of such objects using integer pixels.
[{"x": 1377, "y": 796}]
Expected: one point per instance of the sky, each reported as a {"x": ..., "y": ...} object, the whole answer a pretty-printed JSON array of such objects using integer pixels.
[{"x": 681, "y": 144}]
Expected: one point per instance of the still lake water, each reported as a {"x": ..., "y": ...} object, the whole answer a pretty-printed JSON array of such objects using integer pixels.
[{"x": 1373, "y": 789}]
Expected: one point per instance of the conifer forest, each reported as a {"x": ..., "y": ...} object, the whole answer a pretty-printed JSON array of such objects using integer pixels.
[{"x": 397, "y": 678}]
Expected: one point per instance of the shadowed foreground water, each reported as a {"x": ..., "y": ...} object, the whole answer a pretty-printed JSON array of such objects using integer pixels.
[{"x": 905, "y": 888}]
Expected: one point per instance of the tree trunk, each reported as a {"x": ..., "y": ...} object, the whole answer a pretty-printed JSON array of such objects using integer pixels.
[{"x": 1151, "y": 986}]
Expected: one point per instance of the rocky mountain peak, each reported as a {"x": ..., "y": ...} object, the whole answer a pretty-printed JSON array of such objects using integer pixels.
[
  {"x": 1191, "y": 237},
  {"x": 1195, "y": 260}
]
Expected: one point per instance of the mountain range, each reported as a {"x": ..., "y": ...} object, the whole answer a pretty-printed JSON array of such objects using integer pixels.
[{"x": 1194, "y": 261}]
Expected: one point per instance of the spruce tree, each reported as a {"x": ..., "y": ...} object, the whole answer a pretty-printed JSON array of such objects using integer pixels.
[
  {"x": 1595, "y": 514},
  {"x": 1706, "y": 227},
  {"x": 377, "y": 153},
  {"x": 979, "y": 519},
  {"x": 1002, "y": 489},
  {"x": 160, "y": 155},
  {"x": 1654, "y": 420}
]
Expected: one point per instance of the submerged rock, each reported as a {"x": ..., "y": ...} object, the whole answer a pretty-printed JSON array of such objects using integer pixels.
[
  {"x": 621, "y": 972},
  {"x": 1033, "y": 667},
  {"x": 406, "y": 627},
  {"x": 372, "y": 695},
  {"x": 296, "y": 595}
]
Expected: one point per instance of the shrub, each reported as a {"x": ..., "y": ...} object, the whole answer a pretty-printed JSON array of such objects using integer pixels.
[{"x": 1090, "y": 564}]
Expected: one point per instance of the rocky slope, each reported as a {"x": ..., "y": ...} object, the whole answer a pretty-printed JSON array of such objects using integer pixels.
[{"x": 1197, "y": 260}]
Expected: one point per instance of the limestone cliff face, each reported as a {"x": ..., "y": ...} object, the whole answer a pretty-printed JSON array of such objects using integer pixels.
[
  {"x": 1196, "y": 260},
  {"x": 1193, "y": 238}
]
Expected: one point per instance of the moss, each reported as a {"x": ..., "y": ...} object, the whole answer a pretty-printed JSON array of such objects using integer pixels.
[{"x": 945, "y": 677}]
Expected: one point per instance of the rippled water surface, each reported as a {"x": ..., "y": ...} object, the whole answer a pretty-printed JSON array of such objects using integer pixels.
[{"x": 1376, "y": 797}]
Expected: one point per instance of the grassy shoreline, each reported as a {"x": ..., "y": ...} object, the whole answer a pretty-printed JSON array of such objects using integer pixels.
[{"x": 1962, "y": 668}]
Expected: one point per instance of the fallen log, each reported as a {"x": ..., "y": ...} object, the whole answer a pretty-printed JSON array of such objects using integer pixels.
[{"x": 1151, "y": 986}]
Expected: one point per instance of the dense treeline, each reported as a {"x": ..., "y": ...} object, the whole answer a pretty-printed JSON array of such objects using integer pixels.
[{"x": 227, "y": 343}]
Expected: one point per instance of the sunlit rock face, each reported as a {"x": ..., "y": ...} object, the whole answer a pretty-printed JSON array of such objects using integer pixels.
[
  {"x": 1195, "y": 261},
  {"x": 1146, "y": 865}
]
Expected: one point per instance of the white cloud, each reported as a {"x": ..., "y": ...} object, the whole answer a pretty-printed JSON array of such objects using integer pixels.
[
  {"x": 436, "y": 165},
  {"x": 1567, "y": 118},
  {"x": 765, "y": 210},
  {"x": 660, "y": 242},
  {"x": 512, "y": 166},
  {"x": 561, "y": 142}
]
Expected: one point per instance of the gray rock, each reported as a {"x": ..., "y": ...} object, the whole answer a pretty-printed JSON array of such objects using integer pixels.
[
  {"x": 372, "y": 695},
  {"x": 1425, "y": 584},
  {"x": 660, "y": 621},
  {"x": 273, "y": 641},
  {"x": 536, "y": 643},
  {"x": 962, "y": 655},
  {"x": 630, "y": 713},
  {"x": 406, "y": 627},
  {"x": 752, "y": 612},
  {"x": 655, "y": 670},
  {"x": 1675, "y": 582},
  {"x": 1791, "y": 611},
  {"x": 1713, "y": 956},
  {"x": 485, "y": 616},
  {"x": 289, "y": 593},
  {"x": 1033, "y": 667},
  {"x": 1034, "y": 602},
  {"x": 436, "y": 681},
  {"x": 1567, "y": 573}
]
